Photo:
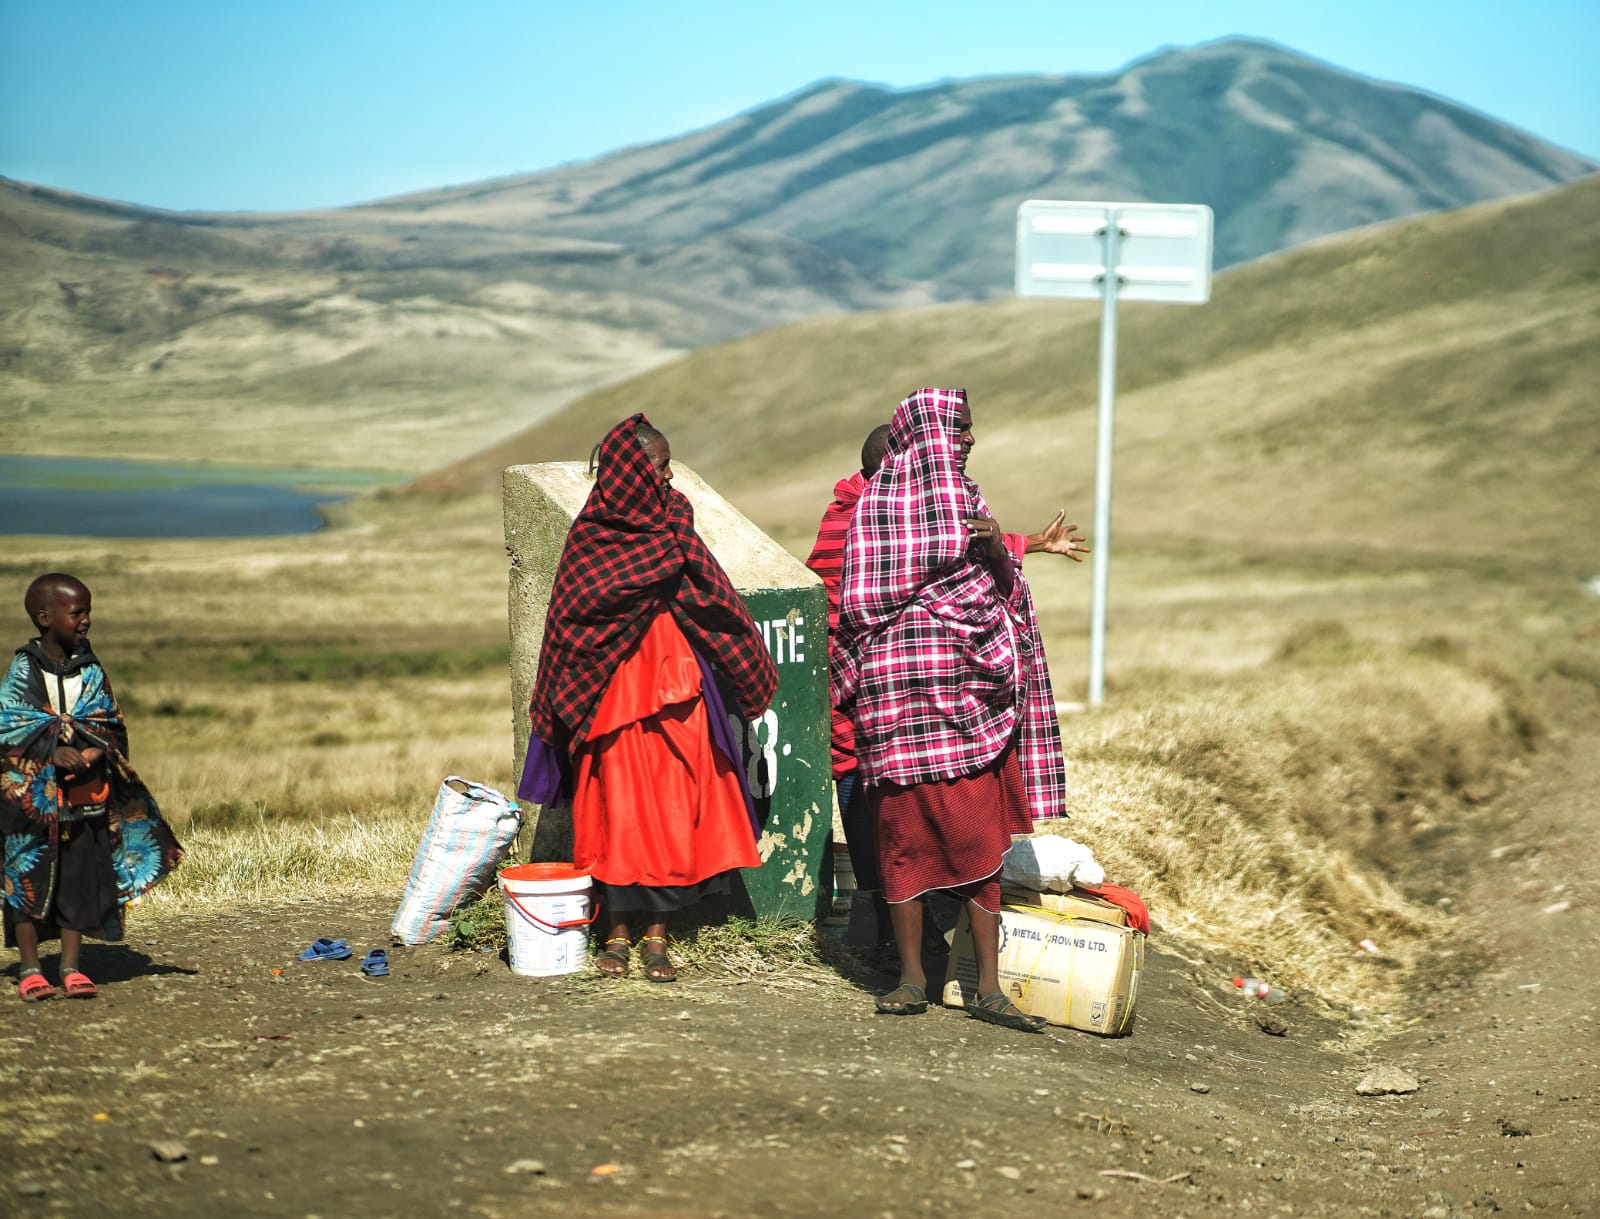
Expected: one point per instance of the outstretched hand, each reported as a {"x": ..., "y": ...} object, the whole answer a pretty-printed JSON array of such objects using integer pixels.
[{"x": 1059, "y": 538}]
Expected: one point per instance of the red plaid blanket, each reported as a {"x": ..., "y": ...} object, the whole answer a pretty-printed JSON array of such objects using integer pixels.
[
  {"x": 632, "y": 552},
  {"x": 827, "y": 560}
]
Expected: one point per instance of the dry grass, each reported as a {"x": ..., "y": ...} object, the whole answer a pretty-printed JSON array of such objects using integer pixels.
[
  {"x": 1397, "y": 390},
  {"x": 294, "y": 703},
  {"x": 1276, "y": 816}
]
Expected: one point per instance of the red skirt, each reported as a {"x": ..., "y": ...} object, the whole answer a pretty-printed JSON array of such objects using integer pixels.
[
  {"x": 654, "y": 802},
  {"x": 950, "y": 833}
]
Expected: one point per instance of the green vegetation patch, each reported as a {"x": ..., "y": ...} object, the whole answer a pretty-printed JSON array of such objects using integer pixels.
[{"x": 288, "y": 662}]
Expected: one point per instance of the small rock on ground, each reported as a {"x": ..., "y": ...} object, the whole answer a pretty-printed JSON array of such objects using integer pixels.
[
  {"x": 1384, "y": 1081},
  {"x": 1267, "y": 1022},
  {"x": 169, "y": 1151}
]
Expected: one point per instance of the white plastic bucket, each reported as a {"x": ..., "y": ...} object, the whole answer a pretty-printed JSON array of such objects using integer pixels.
[
  {"x": 844, "y": 893},
  {"x": 548, "y": 912}
]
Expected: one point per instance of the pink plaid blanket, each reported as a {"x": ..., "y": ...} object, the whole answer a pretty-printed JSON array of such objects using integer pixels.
[{"x": 934, "y": 666}]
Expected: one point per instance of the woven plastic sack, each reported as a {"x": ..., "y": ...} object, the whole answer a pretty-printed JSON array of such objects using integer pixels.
[
  {"x": 1051, "y": 864},
  {"x": 467, "y": 836}
]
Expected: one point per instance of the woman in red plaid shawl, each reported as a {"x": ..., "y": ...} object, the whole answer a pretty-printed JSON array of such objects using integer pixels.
[
  {"x": 626, "y": 704},
  {"x": 939, "y": 662}
]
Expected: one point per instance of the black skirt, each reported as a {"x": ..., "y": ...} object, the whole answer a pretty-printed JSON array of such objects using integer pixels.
[
  {"x": 660, "y": 899},
  {"x": 85, "y": 884}
]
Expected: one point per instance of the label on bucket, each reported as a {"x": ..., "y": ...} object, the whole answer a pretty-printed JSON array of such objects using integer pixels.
[{"x": 844, "y": 893}]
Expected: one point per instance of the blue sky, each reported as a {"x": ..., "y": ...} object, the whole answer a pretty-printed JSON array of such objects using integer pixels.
[{"x": 286, "y": 104}]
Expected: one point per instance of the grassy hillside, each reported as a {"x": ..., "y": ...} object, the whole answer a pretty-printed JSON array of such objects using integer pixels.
[
  {"x": 344, "y": 340},
  {"x": 409, "y": 332},
  {"x": 1289, "y": 755},
  {"x": 1421, "y": 386},
  {"x": 1354, "y": 509}
]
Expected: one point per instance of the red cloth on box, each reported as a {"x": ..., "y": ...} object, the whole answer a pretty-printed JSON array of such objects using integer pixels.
[{"x": 1127, "y": 899}]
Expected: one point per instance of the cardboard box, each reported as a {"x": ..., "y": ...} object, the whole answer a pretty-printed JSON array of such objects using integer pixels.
[
  {"x": 1077, "y": 903},
  {"x": 1079, "y": 973}
]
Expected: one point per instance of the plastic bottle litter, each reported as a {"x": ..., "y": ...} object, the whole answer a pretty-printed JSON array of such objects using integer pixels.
[
  {"x": 1368, "y": 946},
  {"x": 1258, "y": 989}
]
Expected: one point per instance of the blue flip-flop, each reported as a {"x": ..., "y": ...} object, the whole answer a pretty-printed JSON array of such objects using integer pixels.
[
  {"x": 326, "y": 950},
  {"x": 375, "y": 964}
]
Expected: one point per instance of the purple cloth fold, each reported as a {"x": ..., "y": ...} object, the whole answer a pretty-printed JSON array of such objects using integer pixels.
[
  {"x": 546, "y": 776},
  {"x": 722, "y": 737}
]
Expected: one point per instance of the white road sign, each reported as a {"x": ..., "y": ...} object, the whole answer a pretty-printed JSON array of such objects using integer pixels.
[{"x": 1163, "y": 250}]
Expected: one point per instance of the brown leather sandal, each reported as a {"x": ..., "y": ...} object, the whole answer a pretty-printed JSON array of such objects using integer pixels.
[
  {"x": 617, "y": 957},
  {"x": 653, "y": 962}
]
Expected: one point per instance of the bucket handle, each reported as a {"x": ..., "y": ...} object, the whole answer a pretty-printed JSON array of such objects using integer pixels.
[{"x": 594, "y": 913}]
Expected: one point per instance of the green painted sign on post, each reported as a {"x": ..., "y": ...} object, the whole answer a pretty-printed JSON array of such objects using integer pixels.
[{"x": 786, "y": 752}]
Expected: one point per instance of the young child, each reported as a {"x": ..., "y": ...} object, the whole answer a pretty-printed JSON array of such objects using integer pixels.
[{"x": 80, "y": 836}]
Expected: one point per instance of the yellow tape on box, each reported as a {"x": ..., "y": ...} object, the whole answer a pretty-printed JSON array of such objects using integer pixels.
[{"x": 1076, "y": 972}]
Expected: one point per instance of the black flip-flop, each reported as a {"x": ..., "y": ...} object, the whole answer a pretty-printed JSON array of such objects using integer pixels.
[
  {"x": 918, "y": 1004},
  {"x": 997, "y": 1009}
]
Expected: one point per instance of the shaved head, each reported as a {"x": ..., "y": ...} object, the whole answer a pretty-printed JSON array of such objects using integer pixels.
[
  {"x": 46, "y": 589},
  {"x": 872, "y": 451}
]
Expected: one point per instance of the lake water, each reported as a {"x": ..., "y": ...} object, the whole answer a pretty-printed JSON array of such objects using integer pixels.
[{"x": 92, "y": 497}]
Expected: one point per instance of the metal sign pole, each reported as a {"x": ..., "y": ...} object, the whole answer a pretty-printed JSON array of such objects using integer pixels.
[
  {"x": 1101, "y": 558},
  {"x": 1081, "y": 250}
]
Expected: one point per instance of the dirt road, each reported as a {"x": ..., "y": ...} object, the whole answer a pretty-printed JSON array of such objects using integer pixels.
[{"x": 455, "y": 1087}]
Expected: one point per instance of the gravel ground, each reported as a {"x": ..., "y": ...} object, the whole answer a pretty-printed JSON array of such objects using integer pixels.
[{"x": 219, "y": 1075}]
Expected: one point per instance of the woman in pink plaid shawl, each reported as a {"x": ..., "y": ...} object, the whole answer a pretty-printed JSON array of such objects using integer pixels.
[{"x": 939, "y": 662}]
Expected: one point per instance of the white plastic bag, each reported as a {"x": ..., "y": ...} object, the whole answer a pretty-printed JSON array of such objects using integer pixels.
[
  {"x": 1051, "y": 864},
  {"x": 467, "y": 836}
]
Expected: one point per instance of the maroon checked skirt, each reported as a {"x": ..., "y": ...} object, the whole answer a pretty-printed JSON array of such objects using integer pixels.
[{"x": 950, "y": 833}]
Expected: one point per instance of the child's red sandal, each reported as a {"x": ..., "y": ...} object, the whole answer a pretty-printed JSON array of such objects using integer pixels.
[
  {"x": 78, "y": 985},
  {"x": 32, "y": 986}
]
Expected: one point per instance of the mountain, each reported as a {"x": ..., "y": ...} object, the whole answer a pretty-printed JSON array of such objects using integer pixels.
[
  {"x": 410, "y": 332},
  {"x": 923, "y": 184},
  {"x": 1423, "y": 385}
]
